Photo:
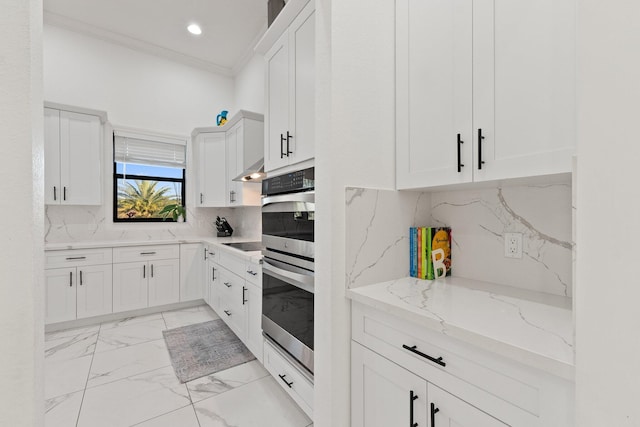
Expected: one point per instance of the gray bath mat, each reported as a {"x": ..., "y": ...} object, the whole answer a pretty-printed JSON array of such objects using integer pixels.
[{"x": 204, "y": 348}]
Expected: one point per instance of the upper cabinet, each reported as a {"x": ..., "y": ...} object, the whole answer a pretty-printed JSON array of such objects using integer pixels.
[
  {"x": 222, "y": 154},
  {"x": 290, "y": 87},
  {"x": 72, "y": 147},
  {"x": 485, "y": 90}
]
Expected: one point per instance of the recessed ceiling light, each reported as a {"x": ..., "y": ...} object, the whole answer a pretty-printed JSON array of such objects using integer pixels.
[{"x": 195, "y": 29}]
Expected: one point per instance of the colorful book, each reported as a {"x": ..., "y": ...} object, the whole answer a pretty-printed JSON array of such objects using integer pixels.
[{"x": 420, "y": 253}]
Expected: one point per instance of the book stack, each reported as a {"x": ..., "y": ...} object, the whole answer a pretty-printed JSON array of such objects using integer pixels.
[{"x": 430, "y": 252}]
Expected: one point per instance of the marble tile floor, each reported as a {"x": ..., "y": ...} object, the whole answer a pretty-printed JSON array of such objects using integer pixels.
[{"x": 119, "y": 374}]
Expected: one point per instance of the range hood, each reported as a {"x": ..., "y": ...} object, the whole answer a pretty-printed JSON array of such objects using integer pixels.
[{"x": 254, "y": 173}]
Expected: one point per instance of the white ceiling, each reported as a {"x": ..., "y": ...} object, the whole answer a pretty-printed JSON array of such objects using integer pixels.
[{"x": 230, "y": 28}]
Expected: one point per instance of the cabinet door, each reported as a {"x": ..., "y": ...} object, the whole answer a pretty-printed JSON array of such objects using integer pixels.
[
  {"x": 52, "y": 188},
  {"x": 381, "y": 392},
  {"x": 94, "y": 290},
  {"x": 130, "y": 282},
  {"x": 447, "y": 410},
  {"x": 433, "y": 92},
  {"x": 524, "y": 87},
  {"x": 229, "y": 291},
  {"x": 212, "y": 162},
  {"x": 60, "y": 295},
  {"x": 302, "y": 117},
  {"x": 277, "y": 95},
  {"x": 213, "y": 282},
  {"x": 253, "y": 303},
  {"x": 191, "y": 272},
  {"x": 164, "y": 282},
  {"x": 233, "y": 169},
  {"x": 80, "y": 163}
]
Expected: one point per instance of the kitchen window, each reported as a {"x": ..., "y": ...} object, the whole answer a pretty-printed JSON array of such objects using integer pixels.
[{"x": 148, "y": 174}]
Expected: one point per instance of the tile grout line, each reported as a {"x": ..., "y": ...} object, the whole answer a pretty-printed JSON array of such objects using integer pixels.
[{"x": 84, "y": 391}]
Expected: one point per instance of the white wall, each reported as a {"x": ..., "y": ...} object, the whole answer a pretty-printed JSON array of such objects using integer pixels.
[
  {"x": 354, "y": 147},
  {"x": 21, "y": 175},
  {"x": 136, "y": 89},
  {"x": 608, "y": 220},
  {"x": 249, "y": 86}
]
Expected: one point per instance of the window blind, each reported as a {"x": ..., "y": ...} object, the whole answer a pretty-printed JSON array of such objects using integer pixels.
[{"x": 149, "y": 152}]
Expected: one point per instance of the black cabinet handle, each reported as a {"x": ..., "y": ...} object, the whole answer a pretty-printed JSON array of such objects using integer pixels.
[
  {"x": 200, "y": 198},
  {"x": 205, "y": 253},
  {"x": 55, "y": 194},
  {"x": 80, "y": 277},
  {"x": 244, "y": 300},
  {"x": 288, "y": 137},
  {"x": 434, "y": 411},
  {"x": 251, "y": 272},
  {"x": 480, "y": 138},
  {"x": 426, "y": 356},
  {"x": 213, "y": 274},
  {"x": 227, "y": 284},
  {"x": 460, "y": 165},
  {"x": 144, "y": 271},
  {"x": 227, "y": 312},
  {"x": 412, "y": 397},
  {"x": 152, "y": 270},
  {"x": 64, "y": 193},
  {"x": 70, "y": 278},
  {"x": 147, "y": 253},
  {"x": 281, "y": 146},
  {"x": 289, "y": 384},
  {"x": 75, "y": 257}
]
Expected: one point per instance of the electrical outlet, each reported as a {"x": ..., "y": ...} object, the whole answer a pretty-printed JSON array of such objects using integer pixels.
[{"x": 513, "y": 245}]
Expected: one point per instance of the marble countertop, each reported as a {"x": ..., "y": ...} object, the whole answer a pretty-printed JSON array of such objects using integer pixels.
[
  {"x": 531, "y": 328},
  {"x": 254, "y": 256}
]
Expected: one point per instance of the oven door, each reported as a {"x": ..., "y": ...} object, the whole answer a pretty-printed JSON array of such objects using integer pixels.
[
  {"x": 287, "y": 308},
  {"x": 287, "y": 223}
]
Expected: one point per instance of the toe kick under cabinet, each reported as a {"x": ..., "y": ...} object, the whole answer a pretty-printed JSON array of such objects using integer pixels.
[{"x": 405, "y": 375}]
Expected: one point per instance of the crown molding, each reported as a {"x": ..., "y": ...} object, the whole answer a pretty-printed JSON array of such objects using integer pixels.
[
  {"x": 135, "y": 44},
  {"x": 249, "y": 52}
]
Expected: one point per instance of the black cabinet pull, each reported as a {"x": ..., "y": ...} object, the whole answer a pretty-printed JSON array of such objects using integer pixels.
[
  {"x": 227, "y": 284},
  {"x": 288, "y": 137},
  {"x": 213, "y": 274},
  {"x": 289, "y": 384},
  {"x": 426, "y": 356},
  {"x": 460, "y": 165},
  {"x": 205, "y": 253},
  {"x": 144, "y": 271},
  {"x": 244, "y": 300},
  {"x": 200, "y": 198},
  {"x": 152, "y": 270},
  {"x": 147, "y": 253},
  {"x": 480, "y": 138},
  {"x": 251, "y": 272},
  {"x": 69, "y": 258},
  {"x": 227, "y": 312},
  {"x": 412, "y": 397},
  {"x": 55, "y": 194},
  {"x": 64, "y": 193},
  {"x": 281, "y": 146},
  {"x": 434, "y": 411},
  {"x": 70, "y": 278},
  {"x": 80, "y": 277}
]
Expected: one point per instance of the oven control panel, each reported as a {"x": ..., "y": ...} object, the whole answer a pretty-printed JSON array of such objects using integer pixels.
[{"x": 302, "y": 180}]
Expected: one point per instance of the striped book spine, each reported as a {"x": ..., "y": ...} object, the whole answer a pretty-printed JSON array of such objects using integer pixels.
[{"x": 412, "y": 252}]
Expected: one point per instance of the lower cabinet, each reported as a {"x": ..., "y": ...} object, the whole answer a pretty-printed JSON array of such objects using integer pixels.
[
  {"x": 145, "y": 284},
  {"x": 253, "y": 301},
  {"x": 77, "y": 292},
  {"x": 385, "y": 394},
  {"x": 191, "y": 270}
]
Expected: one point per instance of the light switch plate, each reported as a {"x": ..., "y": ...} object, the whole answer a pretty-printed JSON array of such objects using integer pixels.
[{"x": 513, "y": 245}]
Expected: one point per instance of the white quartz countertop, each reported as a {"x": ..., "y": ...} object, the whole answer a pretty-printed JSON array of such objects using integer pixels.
[
  {"x": 533, "y": 329},
  {"x": 254, "y": 256}
]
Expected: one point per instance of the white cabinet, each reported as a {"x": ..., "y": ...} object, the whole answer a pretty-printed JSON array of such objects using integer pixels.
[
  {"x": 225, "y": 152},
  {"x": 211, "y": 189},
  {"x": 231, "y": 290},
  {"x": 72, "y": 147},
  {"x": 253, "y": 302},
  {"x": 78, "y": 284},
  {"x": 484, "y": 92},
  {"x": 191, "y": 271},
  {"x": 290, "y": 94},
  {"x": 145, "y": 276},
  {"x": 245, "y": 145},
  {"x": 466, "y": 385}
]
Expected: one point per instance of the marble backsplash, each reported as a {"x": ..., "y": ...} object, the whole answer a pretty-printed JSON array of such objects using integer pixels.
[
  {"x": 478, "y": 219},
  {"x": 91, "y": 223}
]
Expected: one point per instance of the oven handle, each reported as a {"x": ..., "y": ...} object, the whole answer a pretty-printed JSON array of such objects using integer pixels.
[
  {"x": 289, "y": 206},
  {"x": 302, "y": 281},
  {"x": 306, "y": 197}
]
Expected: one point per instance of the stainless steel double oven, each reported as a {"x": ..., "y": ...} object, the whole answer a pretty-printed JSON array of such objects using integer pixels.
[{"x": 288, "y": 210}]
